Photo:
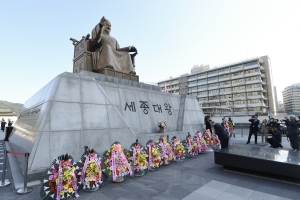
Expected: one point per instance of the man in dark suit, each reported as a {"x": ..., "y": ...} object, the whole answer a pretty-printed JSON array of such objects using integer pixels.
[
  {"x": 253, "y": 128},
  {"x": 221, "y": 133}
]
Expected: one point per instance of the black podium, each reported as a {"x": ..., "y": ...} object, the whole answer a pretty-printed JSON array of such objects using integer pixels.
[{"x": 8, "y": 132}]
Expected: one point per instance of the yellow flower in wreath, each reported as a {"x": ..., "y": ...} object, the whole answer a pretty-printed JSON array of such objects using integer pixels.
[{"x": 70, "y": 190}]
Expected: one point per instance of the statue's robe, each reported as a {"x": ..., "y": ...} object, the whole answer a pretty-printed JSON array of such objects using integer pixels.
[{"x": 107, "y": 54}]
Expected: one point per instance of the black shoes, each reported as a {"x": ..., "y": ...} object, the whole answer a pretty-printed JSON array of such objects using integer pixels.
[{"x": 247, "y": 142}]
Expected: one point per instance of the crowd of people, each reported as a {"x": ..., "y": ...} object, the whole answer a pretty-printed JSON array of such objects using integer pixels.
[
  {"x": 225, "y": 131},
  {"x": 3, "y": 124},
  {"x": 273, "y": 127}
]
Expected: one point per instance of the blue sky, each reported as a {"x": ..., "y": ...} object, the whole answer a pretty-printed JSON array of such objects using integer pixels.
[{"x": 171, "y": 36}]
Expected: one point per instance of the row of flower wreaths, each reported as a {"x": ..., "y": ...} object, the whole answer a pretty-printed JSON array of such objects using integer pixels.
[{"x": 65, "y": 176}]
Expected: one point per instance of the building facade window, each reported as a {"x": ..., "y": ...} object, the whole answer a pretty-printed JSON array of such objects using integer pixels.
[
  {"x": 255, "y": 108},
  {"x": 213, "y": 98},
  {"x": 202, "y": 87},
  {"x": 227, "y": 89},
  {"x": 202, "y": 92},
  {"x": 253, "y": 86},
  {"x": 227, "y": 96},
  {"x": 213, "y": 91},
  {"x": 224, "y": 76},
  {"x": 203, "y": 99},
  {"x": 237, "y": 74},
  {"x": 212, "y": 72},
  {"x": 224, "y": 70},
  {"x": 213, "y": 78},
  {"x": 202, "y": 81},
  {"x": 239, "y": 102},
  {"x": 192, "y": 89},
  {"x": 238, "y": 88},
  {"x": 239, "y": 95},
  {"x": 250, "y": 63},
  {"x": 251, "y": 71},
  {"x": 238, "y": 81},
  {"x": 191, "y": 77},
  {"x": 236, "y": 67},
  {"x": 213, "y": 85},
  {"x": 253, "y": 93},
  {"x": 192, "y": 82},
  {"x": 254, "y": 101},
  {"x": 252, "y": 78},
  {"x": 201, "y": 75}
]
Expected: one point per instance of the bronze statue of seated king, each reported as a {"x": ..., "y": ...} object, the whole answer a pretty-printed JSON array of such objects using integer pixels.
[{"x": 102, "y": 53}]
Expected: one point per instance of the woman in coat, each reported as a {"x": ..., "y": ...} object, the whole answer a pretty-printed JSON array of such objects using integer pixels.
[{"x": 264, "y": 130}]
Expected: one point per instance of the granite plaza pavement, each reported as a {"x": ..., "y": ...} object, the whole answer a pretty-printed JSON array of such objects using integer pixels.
[{"x": 194, "y": 178}]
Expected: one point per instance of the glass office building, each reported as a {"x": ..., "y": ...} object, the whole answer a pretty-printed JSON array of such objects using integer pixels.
[{"x": 240, "y": 88}]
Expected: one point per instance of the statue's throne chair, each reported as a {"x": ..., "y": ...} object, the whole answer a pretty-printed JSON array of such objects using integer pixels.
[{"x": 83, "y": 60}]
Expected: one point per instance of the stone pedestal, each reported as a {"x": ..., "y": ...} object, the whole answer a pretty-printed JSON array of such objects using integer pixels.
[{"x": 89, "y": 109}]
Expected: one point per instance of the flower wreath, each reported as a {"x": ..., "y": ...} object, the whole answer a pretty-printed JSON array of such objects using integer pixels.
[
  {"x": 165, "y": 148},
  {"x": 209, "y": 140},
  {"x": 216, "y": 140},
  {"x": 201, "y": 143},
  {"x": 59, "y": 181},
  {"x": 191, "y": 146},
  {"x": 154, "y": 158},
  {"x": 115, "y": 162},
  {"x": 178, "y": 149},
  {"x": 138, "y": 156},
  {"x": 90, "y": 174}
]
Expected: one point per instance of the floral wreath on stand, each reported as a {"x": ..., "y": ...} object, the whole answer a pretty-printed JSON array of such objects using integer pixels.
[
  {"x": 216, "y": 140},
  {"x": 138, "y": 157},
  {"x": 178, "y": 149},
  {"x": 115, "y": 163},
  {"x": 190, "y": 146},
  {"x": 59, "y": 181},
  {"x": 211, "y": 140},
  {"x": 154, "y": 158},
  {"x": 166, "y": 151},
  {"x": 90, "y": 175},
  {"x": 201, "y": 143}
]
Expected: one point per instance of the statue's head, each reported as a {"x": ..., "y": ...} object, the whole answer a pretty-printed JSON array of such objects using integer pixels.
[{"x": 107, "y": 26}]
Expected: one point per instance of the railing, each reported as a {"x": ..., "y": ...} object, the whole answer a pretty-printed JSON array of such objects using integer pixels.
[{"x": 4, "y": 182}]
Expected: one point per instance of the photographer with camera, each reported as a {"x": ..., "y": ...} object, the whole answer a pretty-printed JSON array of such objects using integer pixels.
[
  {"x": 293, "y": 131},
  {"x": 275, "y": 141},
  {"x": 253, "y": 128}
]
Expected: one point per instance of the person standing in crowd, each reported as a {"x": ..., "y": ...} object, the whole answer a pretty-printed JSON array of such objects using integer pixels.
[
  {"x": 3, "y": 123},
  {"x": 207, "y": 123},
  {"x": 221, "y": 133},
  {"x": 264, "y": 130},
  {"x": 292, "y": 127},
  {"x": 232, "y": 125},
  {"x": 253, "y": 128},
  {"x": 275, "y": 141},
  {"x": 9, "y": 123}
]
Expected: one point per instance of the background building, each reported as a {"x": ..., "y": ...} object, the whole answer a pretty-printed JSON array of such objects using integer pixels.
[
  {"x": 240, "y": 88},
  {"x": 291, "y": 98}
]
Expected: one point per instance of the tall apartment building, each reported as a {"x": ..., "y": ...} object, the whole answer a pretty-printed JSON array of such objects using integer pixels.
[
  {"x": 291, "y": 98},
  {"x": 241, "y": 88}
]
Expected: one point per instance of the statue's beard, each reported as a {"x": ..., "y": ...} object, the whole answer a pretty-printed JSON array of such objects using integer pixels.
[{"x": 107, "y": 32}]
